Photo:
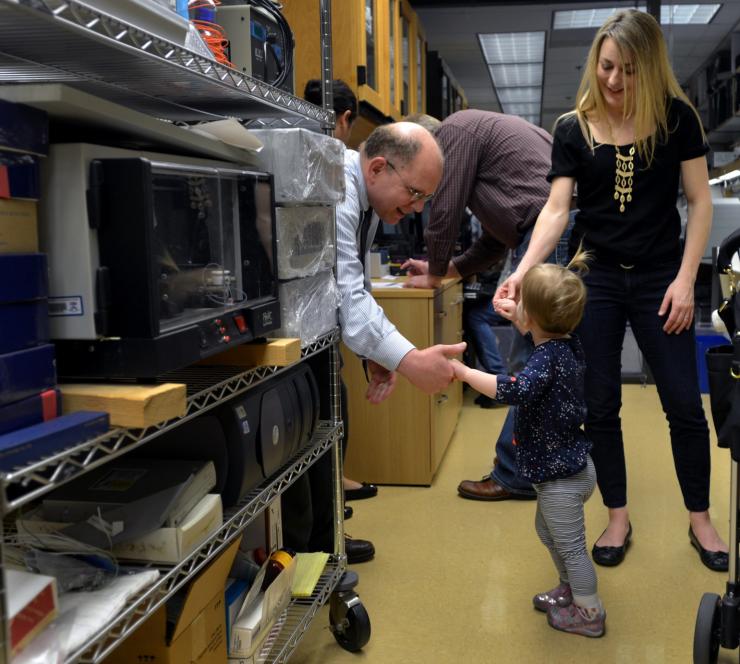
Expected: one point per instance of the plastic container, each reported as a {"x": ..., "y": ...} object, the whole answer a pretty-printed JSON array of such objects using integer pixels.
[{"x": 277, "y": 562}]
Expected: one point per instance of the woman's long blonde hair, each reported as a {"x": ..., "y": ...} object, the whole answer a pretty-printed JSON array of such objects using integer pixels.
[{"x": 639, "y": 38}]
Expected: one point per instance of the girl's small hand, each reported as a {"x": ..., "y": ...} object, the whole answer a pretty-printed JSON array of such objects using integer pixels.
[
  {"x": 459, "y": 369},
  {"x": 505, "y": 307}
]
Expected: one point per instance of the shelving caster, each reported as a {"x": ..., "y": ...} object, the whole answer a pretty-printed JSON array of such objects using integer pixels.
[{"x": 349, "y": 621}]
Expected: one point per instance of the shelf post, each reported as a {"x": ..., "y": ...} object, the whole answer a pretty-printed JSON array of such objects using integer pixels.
[
  {"x": 327, "y": 89},
  {"x": 4, "y": 618}
]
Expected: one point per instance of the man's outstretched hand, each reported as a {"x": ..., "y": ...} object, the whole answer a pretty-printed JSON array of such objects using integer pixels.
[{"x": 429, "y": 369}]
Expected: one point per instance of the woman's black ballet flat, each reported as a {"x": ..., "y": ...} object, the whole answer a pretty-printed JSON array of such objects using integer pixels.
[
  {"x": 717, "y": 561},
  {"x": 611, "y": 556},
  {"x": 364, "y": 491}
]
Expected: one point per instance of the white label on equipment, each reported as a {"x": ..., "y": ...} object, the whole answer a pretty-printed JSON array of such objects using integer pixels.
[{"x": 66, "y": 306}]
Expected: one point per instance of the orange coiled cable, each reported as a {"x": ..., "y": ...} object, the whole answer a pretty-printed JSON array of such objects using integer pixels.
[{"x": 212, "y": 33}]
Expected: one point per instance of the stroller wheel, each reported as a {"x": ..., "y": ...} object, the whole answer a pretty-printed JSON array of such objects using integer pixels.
[{"x": 707, "y": 630}]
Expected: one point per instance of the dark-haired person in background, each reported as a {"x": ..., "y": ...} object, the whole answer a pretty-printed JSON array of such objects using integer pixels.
[{"x": 345, "y": 105}]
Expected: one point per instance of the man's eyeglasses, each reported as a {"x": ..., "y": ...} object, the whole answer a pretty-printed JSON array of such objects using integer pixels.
[{"x": 415, "y": 194}]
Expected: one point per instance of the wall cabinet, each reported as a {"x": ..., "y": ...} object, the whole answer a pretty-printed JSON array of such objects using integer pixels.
[
  {"x": 379, "y": 51},
  {"x": 444, "y": 96},
  {"x": 403, "y": 440}
]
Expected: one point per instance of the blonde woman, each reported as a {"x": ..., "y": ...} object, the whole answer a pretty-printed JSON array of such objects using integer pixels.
[
  {"x": 551, "y": 448},
  {"x": 632, "y": 134}
]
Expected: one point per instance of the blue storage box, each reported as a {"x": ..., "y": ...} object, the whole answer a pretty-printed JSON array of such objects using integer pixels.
[
  {"x": 25, "y": 446},
  {"x": 26, "y": 372},
  {"x": 33, "y": 410},
  {"x": 23, "y": 277},
  {"x": 703, "y": 342},
  {"x": 20, "y": 180},
  {"x": 24, "y": 309},
  {"x": 23, "y": 129},
  {"x": 23, "y": 325}
]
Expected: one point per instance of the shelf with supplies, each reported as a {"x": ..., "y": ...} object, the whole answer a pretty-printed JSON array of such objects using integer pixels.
[
  {"x": 132, "y": 64},
  {"x": 69, "y": 42},
  {"x": 102, "y": 643},
  {"x": 207, "y": 388}
]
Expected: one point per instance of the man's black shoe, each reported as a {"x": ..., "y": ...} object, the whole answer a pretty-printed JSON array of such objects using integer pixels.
[
  {"x": 348, "y": 512},
  {"x": 358, "y": 550}
]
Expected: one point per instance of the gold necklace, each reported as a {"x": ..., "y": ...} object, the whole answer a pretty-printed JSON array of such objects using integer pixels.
[{"x": 624, "y": 172}]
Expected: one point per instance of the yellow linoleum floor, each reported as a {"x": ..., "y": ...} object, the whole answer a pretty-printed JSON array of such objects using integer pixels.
[{"x": 452, "y": 579}]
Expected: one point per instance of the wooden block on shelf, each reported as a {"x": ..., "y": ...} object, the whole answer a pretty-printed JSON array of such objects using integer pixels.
[
  {"x": 274, "y": 353},
  {"x": 132, "y": 406}
]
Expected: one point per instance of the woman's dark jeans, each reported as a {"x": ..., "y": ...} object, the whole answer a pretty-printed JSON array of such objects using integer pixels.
[{"x": 617, "y": 296}]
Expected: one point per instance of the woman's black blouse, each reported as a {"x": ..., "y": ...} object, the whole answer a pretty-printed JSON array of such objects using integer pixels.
[{"x": 648, "y": 231}]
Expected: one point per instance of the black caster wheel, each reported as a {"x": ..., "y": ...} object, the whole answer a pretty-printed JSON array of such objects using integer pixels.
[
  {"x": 707, "y": 630},
  {"x": 350, "y": 623}
]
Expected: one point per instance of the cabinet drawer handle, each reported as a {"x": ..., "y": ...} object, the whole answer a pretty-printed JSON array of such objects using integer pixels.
[{"x": 441, "y": 399}]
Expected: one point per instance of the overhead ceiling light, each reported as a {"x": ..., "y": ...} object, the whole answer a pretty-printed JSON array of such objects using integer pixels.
[
  {"x": 505, "y": 47},
  {"x": 688, "y": 14},
  {"x": 694, "y": 14},
  {"x": 506, "y": 76},
  {"x": 521, "y": 109},
  {"x": 516, "y": 61},
  {"x": 581, "y": 18},
  {"x": 518, "y": 95}
]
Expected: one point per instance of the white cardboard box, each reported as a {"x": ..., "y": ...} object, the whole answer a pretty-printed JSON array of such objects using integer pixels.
[
  {"x": 32, "y": 604},
  {"x": 259, "y": 613},
  {"x": 164, "y": 545}
]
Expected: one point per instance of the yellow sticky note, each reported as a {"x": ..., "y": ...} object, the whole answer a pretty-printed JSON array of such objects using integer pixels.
[{"x": 309, "y": 567}]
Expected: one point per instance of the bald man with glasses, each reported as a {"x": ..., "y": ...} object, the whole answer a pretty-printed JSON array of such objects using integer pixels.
[{"x": 395, "y": 172}]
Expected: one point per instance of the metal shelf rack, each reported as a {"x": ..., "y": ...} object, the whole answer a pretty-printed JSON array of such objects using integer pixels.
[
  {"x": 114, "y": 633},
  {"x": 207, "y": 388},
  {"x": 67, "y": 41}
]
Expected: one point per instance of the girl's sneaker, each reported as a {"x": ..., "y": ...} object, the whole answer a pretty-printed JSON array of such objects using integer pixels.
[
  {"x": 560, "y": 596},
  {"x": 575, "y": 620}
]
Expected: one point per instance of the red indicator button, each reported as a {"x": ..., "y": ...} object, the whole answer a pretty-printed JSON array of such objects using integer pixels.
[{"x": 240, "y": 323}]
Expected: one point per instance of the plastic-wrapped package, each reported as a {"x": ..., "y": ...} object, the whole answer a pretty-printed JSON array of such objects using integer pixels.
[
  {"x": 308, "y": 167},
  {"x": 308, "y": 307},
  {"x": 305, "y": 241},
  {"x": 70, "y": 571},
  {"x": 81, "y": 615}
]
